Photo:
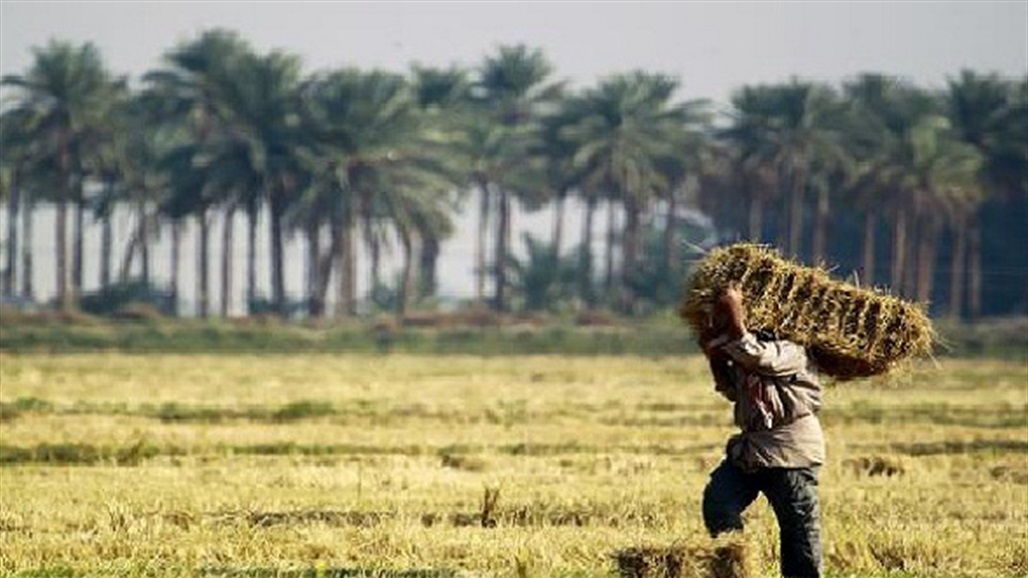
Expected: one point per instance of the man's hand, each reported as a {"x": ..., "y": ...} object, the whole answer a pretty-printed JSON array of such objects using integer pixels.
[
  {"x": 731, "y": 303},
  {"x": 732, "y": 294}
]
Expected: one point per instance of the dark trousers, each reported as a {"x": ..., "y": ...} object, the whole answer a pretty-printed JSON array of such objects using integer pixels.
[{"x": 793, "y": 496}]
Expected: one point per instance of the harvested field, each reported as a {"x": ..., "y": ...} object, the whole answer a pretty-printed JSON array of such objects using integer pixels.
[{"x": 366, "y": 465}]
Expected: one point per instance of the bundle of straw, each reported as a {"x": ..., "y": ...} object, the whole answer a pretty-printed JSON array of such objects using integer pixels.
[
  {"x": 850, "y": 331},
  {"x": 720, "y": 559}
]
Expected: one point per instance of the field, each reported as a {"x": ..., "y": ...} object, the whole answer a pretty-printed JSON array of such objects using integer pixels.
[{"x": 406, "y": 465}]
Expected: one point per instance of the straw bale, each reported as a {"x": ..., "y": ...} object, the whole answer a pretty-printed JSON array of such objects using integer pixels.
[
  {"x": 723, "y": 558},
  {"x": 851, "y": 331}
]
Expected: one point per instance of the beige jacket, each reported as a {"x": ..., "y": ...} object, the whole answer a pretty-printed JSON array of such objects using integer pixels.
[{"x": 777, "y": 395}]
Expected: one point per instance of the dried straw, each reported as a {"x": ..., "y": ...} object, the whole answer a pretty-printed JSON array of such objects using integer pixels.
[
  {"x": 851, "y": 331},
  {"x": 723, "y": 558}
]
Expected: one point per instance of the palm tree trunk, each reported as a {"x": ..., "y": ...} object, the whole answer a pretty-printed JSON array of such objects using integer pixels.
[
  {"x": 926, "y": 259},
  {"x": 585, "y": 273},
  {"x": 325, "y": 264},
  {"x": 869, "y": 248},
  {"x": 899, "y": 249},
  {"x": 337, "y": 229},
  {"x": 558, "y": 224},
  {"x": 315, "y": 306},
  {"x": 975, "y": 266},
  {"x": 796, "y": 217},
  {"x": 79, "y": 232},
  {"x": 278, "y": 292},
  {"x": 608, "y": 282},
  {"x": 374, "y": 252},
  {"x": 502, "y": 251},
  {"x": 251, "y": 254},
  {"x": 415, "y": 267},
  {"x": 911, "y": 260},
  {"x": 176, "y": 245},
  {"x": 820, "y": 241},
  {"x": 10, "y": 281},
  {"x": 629, "y": 251},
  {"x": 64, "y": 296},
  {"x": 406, "y": 289},
  {"x": 203, "y": 287},
  {"x": 670, "y": 224},
  {"x": 129, "y": 257},
  {"x": 957, "y": 271},
  {"x": 106, "y": 249},
  {"x": 429, "y": 259},
  {"x": 755, "y": 218},
  {"x": 483, "y": 232},
  {"x": 346, "y": 304},
  {"x": 107, "y": 238},
  {"x": 27, "y": 210},
  {"x": 226, "y": 260},
  {"x": 144, "y": 243}
]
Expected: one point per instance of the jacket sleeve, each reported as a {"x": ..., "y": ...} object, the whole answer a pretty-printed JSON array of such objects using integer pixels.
[
  {"x": 722, "y": 372},
  {"x": 769, "y": 358}
]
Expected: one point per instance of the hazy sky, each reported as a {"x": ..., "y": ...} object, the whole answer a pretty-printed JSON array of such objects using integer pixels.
[{"x": 711, "y": 47}]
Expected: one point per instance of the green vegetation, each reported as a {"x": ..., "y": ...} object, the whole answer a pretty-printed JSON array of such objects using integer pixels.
[{"x": 450, "y": 334}]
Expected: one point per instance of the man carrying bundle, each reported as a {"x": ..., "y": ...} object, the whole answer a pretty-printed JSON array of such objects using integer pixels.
[{"x": 776, "y": 392}]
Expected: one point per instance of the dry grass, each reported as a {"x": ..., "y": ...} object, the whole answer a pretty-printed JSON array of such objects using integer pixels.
[
  {"x": 531, "y": 466},
  {"x": 854, "y": 332},
  {"x": 726, "y": 558}
]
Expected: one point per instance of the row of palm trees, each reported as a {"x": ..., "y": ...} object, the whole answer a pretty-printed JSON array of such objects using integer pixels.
[{"x": 353, "y": 160}]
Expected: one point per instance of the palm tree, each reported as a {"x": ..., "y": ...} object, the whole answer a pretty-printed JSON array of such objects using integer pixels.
[
  {"x": 263, "y": 125},
  {"x": 190, "y": 194},
  {"x": 15, "y": 166},
  {"x": 869, "y": 97},
  {"x": 443, "y": 97},
  {"x": 885, "y": 116},
  {"x": 623, "y": 145},
  {"x": 347, "y": 113},
  {"x": 27, "y": 173},
  {"x": 788, "y": 133},
  {"x": 986, "y": 114},
  {"x": 683, "y": 172},
  {"x": 66, "y": 91},
  {"x": 510, "y": 93},
  {"x": 557, "y": 152},
  {"x": 946, "y": 173},
  {"x": 384, "y": 165},
  {"x": 195, "y": 98}
]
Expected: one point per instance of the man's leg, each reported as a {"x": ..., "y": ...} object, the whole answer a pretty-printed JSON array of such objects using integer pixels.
[
  {"x": 793, "y": 495},
  {"x": 728, "y": 493}
]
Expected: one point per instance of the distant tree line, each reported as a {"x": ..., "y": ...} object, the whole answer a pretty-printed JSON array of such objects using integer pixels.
[{"x": 923, "y": 191}]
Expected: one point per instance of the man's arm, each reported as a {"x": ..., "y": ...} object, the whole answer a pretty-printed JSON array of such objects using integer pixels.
[
  {"x": 775, "y": 358},
  {"x": 770, "y": 358},
  {"x": 731, "y": 303},
  {"x": 722, "y": 330}
]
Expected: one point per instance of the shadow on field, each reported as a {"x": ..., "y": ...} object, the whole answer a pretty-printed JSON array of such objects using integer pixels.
[
  {"x": 491, "y": 516},
  {"x": 960, "y": 447}
]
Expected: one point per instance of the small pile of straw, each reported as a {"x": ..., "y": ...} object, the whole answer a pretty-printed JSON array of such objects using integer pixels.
[
  {"x": 851, "y": 332},
  {"x": 720, "y": 559}
]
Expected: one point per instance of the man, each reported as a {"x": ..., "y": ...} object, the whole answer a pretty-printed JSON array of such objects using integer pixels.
[{"x": 776, "y": 394}]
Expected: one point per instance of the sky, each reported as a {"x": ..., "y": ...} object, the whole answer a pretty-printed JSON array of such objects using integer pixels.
[{"x": 712, "y": 48}]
